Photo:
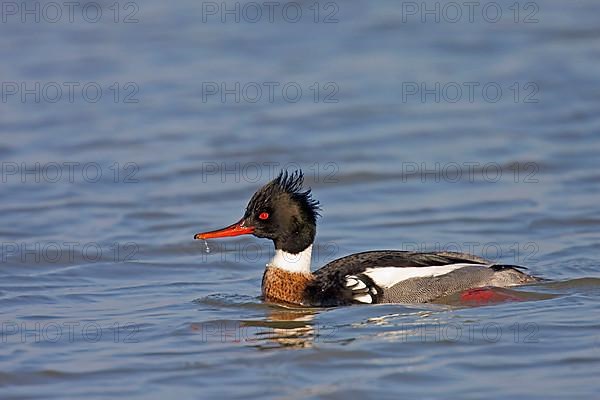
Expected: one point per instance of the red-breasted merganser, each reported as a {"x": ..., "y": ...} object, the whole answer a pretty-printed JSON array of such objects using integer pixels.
[{"x": 287, "y": 214}]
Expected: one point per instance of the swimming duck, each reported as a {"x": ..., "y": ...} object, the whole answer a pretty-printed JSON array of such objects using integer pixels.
[{"x": 286, "y": 213}]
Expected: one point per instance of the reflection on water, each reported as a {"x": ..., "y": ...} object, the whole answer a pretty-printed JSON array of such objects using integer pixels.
[
  {"x": 287, "y": 328},
  {"x": 284, "y": 327}
]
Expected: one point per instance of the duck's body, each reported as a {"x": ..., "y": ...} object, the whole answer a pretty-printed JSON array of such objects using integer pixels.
[
  {"x": 281, "y": 212},
  {"x": 387, "y": 276}
]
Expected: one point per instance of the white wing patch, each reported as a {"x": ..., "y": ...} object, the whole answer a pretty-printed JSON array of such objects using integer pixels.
[
  {"x": 364, "y": 298},
  {"x": 387, "y": 277},
  {"x": 360, "y": 291},
  {"x": 355, "y": 283}
]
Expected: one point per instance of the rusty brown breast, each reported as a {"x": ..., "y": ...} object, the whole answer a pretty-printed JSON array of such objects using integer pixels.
[{"x": 281, "y": 285}]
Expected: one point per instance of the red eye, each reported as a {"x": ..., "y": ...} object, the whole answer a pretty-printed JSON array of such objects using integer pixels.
[{"x": 263, "y": 215}]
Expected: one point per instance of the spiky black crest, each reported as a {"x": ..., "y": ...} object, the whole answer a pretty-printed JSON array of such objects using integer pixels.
[
  {"x": 290, "y": 213},
  {"x": 292, "y": 184}
]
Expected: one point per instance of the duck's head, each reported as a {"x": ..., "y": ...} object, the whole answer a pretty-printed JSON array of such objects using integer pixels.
[{"x": 281, "y": 211}]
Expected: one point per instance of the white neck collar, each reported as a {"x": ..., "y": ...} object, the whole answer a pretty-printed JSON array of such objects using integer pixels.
[{"x": 299, "y": 263}]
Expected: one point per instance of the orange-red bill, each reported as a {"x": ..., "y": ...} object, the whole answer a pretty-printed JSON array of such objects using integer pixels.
[{"x": 236, "y": 229}]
